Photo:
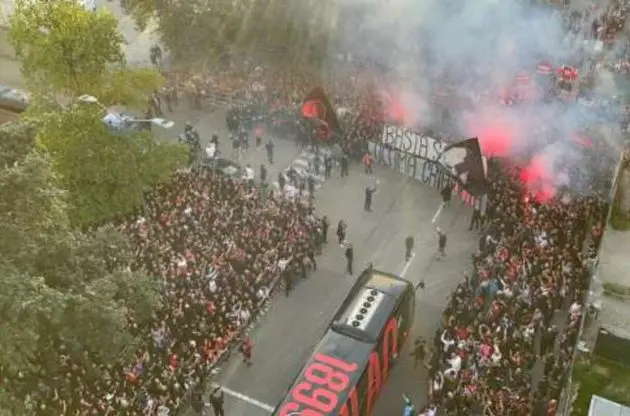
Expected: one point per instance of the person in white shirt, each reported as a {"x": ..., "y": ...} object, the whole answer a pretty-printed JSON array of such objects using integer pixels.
[
  {"x": 211, "y": 151},
  {"x": 282, "y": 264},
  {"x": 244, "y": 316},
  {"x": 575, "y": 309},
  {"x": 249, "y": 173},
  {"x": 263, "y": 293},
  {"x": 447, "y": 340},
  {"x": 455, "y": 362}
]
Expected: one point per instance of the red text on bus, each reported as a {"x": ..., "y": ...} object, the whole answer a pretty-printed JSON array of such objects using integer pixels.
[{"x": 318, "y": 393}]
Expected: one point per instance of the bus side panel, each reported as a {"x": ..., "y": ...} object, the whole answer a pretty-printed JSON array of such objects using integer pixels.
[{"x": 352, "y": 408}]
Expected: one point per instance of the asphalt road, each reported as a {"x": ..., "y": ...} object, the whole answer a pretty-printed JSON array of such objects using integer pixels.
[{"x": 285, "y": 336}]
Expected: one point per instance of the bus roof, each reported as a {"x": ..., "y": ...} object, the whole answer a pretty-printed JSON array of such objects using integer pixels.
[
  {"x": 344, "y": 348},
  {"x": 369, "y": 305},
  {"x": 386, "y": 282},
  {"x": 352, "y": 343}
]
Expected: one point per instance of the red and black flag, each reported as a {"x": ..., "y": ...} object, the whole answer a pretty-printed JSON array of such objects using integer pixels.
[
  {"x": 464, "y": 162},
  {"x": 317, "y": 107}
]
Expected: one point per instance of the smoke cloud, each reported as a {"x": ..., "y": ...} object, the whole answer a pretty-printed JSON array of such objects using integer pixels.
[{"x": 474, "y": 50}]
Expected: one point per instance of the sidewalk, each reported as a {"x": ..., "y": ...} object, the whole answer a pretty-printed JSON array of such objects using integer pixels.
[{"x": 614, "y": 261}]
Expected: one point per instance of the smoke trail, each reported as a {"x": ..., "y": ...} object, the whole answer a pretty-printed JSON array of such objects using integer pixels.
[{"x": 477, "y": 50}]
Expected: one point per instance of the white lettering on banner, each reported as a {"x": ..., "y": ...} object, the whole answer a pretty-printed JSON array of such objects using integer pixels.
[
  {"x": 425, "y": 170},
  {"x": 412, "y": 143}
]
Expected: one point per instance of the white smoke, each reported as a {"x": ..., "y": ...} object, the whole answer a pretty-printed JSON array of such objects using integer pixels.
[{"x": 478, "y": 47}]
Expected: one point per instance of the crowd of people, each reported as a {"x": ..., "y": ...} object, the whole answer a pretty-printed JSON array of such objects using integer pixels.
[
  {"x": 510, "y": 314},
  {"x": 218, "y": 246}
]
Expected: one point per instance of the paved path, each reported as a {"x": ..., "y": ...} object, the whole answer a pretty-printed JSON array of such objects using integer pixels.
[{"x": 285, "y": 336}]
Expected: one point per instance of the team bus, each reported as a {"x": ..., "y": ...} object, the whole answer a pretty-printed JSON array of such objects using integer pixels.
[{"x": 351, "y": 363}]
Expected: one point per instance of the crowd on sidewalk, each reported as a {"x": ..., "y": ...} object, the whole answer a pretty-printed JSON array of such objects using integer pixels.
[
  {"x": 217, "y": 247},
  {"x": 520, "y": 307}
]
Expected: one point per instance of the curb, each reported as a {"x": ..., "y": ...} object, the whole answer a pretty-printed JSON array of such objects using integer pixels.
[{"x": 616, "y": 295}]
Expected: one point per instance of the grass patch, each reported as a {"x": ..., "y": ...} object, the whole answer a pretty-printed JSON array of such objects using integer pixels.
[
  {"x": 619, "y": 220},
  {"x": 604, "y": 378}
]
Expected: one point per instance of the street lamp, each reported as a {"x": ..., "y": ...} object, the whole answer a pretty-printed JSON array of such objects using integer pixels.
[{"x": 118, "y": 119}]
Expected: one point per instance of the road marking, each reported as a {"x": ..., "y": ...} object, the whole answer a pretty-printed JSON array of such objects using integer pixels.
[
  {"x": 403, "y": 272},
  {"x": 247, "y": 399},
  {"x": 437, "y": 214}
]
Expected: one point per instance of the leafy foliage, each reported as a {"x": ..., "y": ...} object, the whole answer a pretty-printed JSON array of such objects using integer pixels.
[
  {"x": 66, "y": 49},
  {"x": 105, "y": 172},
  {"x": 63, "y": 291},
  {"x": 283, "y": 31}
]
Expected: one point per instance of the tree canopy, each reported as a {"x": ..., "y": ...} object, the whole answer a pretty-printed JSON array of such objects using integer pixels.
[
  {"x": 63, "y": 292},
  {"x": 105, "y": 171},
  {"x": 282, "y": 30},
  {"x": 65, "y": 49}
]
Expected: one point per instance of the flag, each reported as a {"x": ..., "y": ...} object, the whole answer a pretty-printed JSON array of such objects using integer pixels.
[
  {"x": 464, "y": 162},
  {"x": 316, "y": 106}
]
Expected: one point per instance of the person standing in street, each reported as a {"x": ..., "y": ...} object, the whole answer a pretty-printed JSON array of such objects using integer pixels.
[
  {"x": 367, "y": 161},
  {"x": 246, "y": 350},
  {"x": 475, "y": 219},
  {"x": 216, "y": 401},
  {"x": 263, "y": 173},
  {"x": 325, "y": 226},
  {"x": 441, "y": 243},
  {"x": 408, "y": 248},
  {"x": 328, "y": 163},
  {"x": 269, "y": 148},
  {"x": 369, "y": 192},
  {"x": 196, "y": 402},
  {"x": 341, "y": 232},
  {"x": 446, "y": 194},
  {"x": 349, "y": 258},
  {"x": 344, "y": 165},
  {"x": 282, "y": 181},
  {"x": 419, "y": 352}
]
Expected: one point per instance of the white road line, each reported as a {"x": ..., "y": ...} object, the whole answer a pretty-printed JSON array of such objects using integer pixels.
[
  {"x": 437, "y": 213},
  {"x": 405, "y": 268},
  {"x": 247, "y": 399},
  {"x": 403, "y": 272}
]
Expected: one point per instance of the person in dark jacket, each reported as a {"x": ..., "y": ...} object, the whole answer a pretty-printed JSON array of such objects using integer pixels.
[
  {"x": 341, "y": 232},
  {"x": 325, "y": 225},
  {"x": 216, "y": 401},
  {"x": 446, "y": 194},
  {"x": 441, "y": 242},
  {"x": 349, "y": 258},
  {"x": 408, "y": 248}
]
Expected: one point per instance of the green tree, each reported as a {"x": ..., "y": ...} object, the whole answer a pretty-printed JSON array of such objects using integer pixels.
[
  {"x": 104, "y": 171},
  {"x": 59, "y": 286},
  {"x": 65, "y": 49},
  {"x": 281, "y": 31}
]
